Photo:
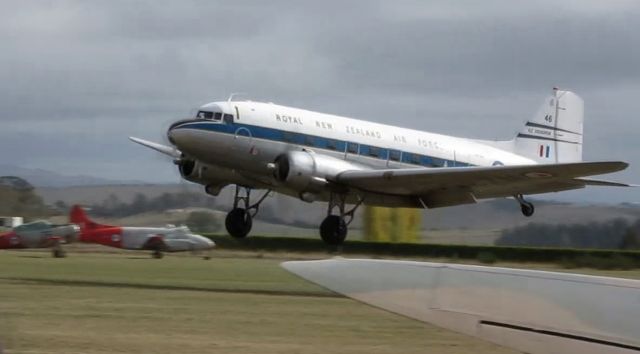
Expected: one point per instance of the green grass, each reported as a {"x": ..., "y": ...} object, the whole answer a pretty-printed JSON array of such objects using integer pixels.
[
  {"x": 129, "y": 303},
  {"x": 139, "y": 270}
]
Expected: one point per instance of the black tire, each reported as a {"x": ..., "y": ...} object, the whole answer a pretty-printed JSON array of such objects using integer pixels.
[
  {"x": 58, "y": 253},
  {"x": 527, "y": 209},
  {"x": 333, "y": 230},
  {"x": 238, "y": 223},
  {"x": 157, "y": 254}
]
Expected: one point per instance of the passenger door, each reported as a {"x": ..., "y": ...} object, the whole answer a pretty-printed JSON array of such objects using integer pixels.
[{"x": 351, "y": 151}]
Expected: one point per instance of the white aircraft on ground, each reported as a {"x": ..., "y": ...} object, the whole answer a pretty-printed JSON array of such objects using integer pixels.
[{"x": 323, "y": 157}]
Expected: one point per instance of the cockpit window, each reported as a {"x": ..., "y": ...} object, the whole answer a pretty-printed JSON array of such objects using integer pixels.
[
  {"x": 204, "y": 115},
  {"x": 215, "y": 116}
]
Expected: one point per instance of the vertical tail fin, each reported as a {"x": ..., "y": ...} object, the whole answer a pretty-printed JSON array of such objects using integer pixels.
[
  {"x": 78, "y": 216},
  {"x": 554, "y": 134}
]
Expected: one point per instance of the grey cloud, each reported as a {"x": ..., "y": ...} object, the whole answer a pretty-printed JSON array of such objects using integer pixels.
[
  {"x": 95, "y": 72},
  {"x": 488, "y": 56}
]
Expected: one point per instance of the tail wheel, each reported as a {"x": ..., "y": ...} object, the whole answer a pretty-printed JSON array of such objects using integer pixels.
[
  {"x": 333, "y": 230},
  {"x": 238, "y": 223},
  {"x": 527, "y": 209}
]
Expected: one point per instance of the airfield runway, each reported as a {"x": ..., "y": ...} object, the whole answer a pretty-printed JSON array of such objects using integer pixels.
[{"x": 234, "y": 303}]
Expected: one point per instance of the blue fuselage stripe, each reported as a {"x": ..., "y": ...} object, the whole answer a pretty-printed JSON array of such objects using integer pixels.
[{"x": 320, "y": 142}]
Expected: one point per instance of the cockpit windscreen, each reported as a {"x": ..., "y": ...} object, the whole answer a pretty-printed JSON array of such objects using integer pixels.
[{"x": 215, "y": 116}]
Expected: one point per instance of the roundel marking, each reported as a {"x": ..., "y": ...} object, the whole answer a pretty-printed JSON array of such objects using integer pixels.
[{"x": 538, "y": 175}]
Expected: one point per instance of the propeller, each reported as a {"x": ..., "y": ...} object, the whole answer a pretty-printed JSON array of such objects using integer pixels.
[{"x": 164, "y": 149}]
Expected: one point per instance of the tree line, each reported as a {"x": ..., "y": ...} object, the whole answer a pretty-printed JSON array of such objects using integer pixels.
[
  {"x": 616, "y": 233},
  {"x": 112, "y": 206}
]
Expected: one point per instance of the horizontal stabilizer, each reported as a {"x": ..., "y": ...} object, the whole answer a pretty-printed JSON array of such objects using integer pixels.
[{"x": 603, "y": 183}]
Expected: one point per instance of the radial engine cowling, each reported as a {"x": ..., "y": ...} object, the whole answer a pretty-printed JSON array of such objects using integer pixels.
[
  {"x": 189, "y": 169},
  {"x": 308, "y": 172},
  {"x": 205, "y": 174}
]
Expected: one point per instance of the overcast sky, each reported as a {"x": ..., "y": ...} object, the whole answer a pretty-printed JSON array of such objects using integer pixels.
[{"x": 78, "y": 77}]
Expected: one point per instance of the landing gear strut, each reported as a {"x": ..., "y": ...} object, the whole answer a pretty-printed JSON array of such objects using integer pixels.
[
  {"x": 333, "y": 229},
  {"x": 239, "y": 220},
  {"x": 57, "y": 251},
  {"x": 157, "y": 254},
  {"x": 525, "y": 206}
]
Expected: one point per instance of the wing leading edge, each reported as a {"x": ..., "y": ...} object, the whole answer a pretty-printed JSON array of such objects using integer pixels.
[{"x": 462, "y": 185}]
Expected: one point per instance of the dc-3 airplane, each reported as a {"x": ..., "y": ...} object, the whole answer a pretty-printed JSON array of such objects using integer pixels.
[
  {"x": 156, "y": 239},
  {"x": 322, "y": 157},
  {"x": 40, "y": 234}
]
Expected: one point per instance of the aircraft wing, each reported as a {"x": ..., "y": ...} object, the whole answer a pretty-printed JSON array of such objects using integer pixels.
[
  {"x": 537, "y": 312},
  {"x": 438, "y": 187}
]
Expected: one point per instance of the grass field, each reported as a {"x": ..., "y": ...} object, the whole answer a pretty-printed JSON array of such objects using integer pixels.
[{"x": 130, "y": 303}]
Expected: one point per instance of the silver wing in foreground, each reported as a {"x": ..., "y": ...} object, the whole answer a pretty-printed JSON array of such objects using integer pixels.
[{"x": 532, "y": 311}]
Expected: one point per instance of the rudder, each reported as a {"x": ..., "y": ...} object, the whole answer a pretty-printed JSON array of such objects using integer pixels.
[
  {"x": 554, "y": 134},
  {"x": 78, "y": 216}
]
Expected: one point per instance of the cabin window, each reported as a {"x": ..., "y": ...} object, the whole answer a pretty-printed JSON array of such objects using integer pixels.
[
  {"x": 332, "y": 145},
  {"x": 374, "y": 151},
  {"x": 289, "y": 137},
  {"x": 352, "y": 148},
  {"x": 394, "y": 155},
  {"x": 309, "y": 140},
  {"x": 228, "y": 118},
  {"x": 435, "y": 162},
  {"x": 217, "y": 116}
]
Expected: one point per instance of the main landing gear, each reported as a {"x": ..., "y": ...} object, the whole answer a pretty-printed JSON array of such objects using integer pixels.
[
  {"x": 56, "y": 248},
  {"x": 239, "y": 220},
  {"x": 57, "y": 251},
  {"x": 157, "y": 253},
  {"x": 333, "y": 229},
  {"x": 525, "y": 206}
]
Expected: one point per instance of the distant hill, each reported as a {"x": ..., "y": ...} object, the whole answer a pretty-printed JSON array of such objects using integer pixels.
[
  {"x": 16, "y": 183},
  {"x": 18, "y": 198},
  {"x": 44, "y": 178}
]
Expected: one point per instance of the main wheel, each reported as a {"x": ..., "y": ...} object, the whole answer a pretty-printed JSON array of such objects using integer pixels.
[
  {"x": 527, "y": 209},
  {"x": 157, "y": 254},
  {"x": 59, "y": 253},
  {"x": 333, "y": 230},
  {"x": 238, "y": 223}
]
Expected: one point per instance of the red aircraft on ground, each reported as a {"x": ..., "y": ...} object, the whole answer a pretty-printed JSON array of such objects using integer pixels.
[
  {"x": 40, "y": 234},
  {"x": 156, "y": 239}
]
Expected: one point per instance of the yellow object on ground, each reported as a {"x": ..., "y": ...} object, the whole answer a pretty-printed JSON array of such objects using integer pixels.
[{"x": 391, "y": 224}]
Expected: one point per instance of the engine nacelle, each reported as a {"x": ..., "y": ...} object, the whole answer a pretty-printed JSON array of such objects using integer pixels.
[
  {"x": 69, "y": 233},
  {"x": 189, "y": 169},
  {"x": 307, "y": 172},
  {"x": 209, "y": 175}
]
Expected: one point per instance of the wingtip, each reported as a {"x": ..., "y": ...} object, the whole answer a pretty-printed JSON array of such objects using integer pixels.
[
  {"x": 615, "y": 165},
  {"x": 622, "y": 165}
]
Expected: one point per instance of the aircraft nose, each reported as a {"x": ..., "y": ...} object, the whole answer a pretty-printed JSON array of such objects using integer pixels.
[
  {"x": 204, "y": 242},
  {"x": 171, "y": 132}
]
